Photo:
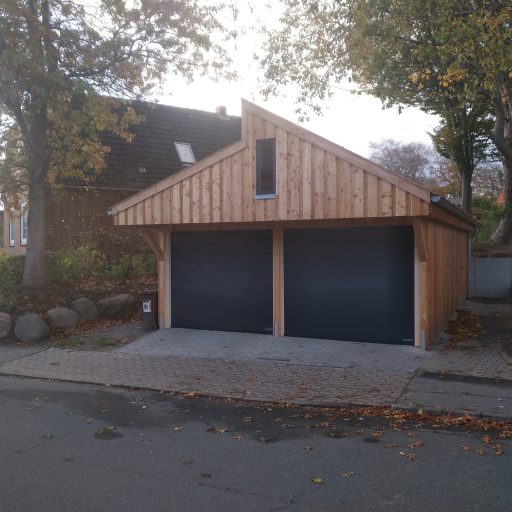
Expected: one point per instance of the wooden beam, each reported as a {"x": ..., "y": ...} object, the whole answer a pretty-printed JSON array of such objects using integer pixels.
[
  {"x": 278, "y": 285},
  {"x": 439, "y": 214},
  {"x": 155, "y": 243},
  {"x": 420, "y": 238}
]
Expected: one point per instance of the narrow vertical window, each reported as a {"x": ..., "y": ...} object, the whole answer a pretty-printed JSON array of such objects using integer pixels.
[
  {"x": 11, "y": 233},
  {"x": 23, "y": 229},
  {"x": 266, "y": 167}
]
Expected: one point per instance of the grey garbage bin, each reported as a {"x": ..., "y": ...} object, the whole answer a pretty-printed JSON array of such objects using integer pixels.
[{"x": 150, "y": 310}]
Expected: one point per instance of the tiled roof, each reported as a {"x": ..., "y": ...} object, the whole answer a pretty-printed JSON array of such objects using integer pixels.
[{"x": 153, "y": 145}]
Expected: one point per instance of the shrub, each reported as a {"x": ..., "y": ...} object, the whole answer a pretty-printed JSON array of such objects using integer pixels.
[
  {"x": 489, "y": 220},
  {"x": 11, "y": 273},
  {"x": 71, "y": 265},
  {"x": 131, "y": 265}
]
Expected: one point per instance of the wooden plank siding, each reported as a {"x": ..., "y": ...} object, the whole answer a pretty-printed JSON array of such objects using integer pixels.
[
  {"x": 311, "y": 183},
  {"x": 442, "y": 274}
]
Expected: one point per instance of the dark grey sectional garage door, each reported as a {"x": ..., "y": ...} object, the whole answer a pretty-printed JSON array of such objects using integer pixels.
[
  {"x": 222, "y": 280},
  {"x": 352, "y": 284}
]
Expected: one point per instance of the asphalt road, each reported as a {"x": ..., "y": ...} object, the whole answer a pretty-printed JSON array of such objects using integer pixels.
[{"x": 59, "y": 452}]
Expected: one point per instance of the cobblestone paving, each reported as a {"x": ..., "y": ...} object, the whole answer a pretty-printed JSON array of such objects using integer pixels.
[
  {"x": 234, "y": 379},
  {"x": 317, "y": 372}
]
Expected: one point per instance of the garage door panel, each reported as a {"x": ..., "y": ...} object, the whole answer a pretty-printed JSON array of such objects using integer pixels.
[
  {"x": 222, "y": 280},
  {"x": 350, "y": 283}
]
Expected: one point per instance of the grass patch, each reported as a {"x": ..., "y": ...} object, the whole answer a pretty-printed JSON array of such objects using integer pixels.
[{"x": 104, "y": 342}]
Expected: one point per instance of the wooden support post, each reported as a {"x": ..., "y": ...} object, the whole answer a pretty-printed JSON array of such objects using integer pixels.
[
  {"x": 164, "y": 281},
  {"x": 420, "y": 238},
  {"x": 160, "y": 243},
  {"x": 278, "y": 286},
  {"x": 421, "y": 283}
]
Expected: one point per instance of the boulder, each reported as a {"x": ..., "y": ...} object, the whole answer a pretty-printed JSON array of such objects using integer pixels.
[
  {"x": 31, "y": 327},
  {"x": 85, "y": 308},
  {"x": 123, "y": 305},
  {"x": 5, "y": 325},
  {"x": 63, "y": 318}
]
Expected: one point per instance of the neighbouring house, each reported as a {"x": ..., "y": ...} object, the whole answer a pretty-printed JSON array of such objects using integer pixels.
[
  {"x": 286, "y": 233},
  {"x": 167, "y": 140}
]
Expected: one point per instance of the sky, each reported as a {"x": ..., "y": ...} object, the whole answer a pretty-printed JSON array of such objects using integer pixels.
[{"x": 352, "y": 121}]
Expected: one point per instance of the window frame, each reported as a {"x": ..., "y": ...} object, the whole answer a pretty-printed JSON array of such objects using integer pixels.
[
  {"x": 23, "y": 229},
  {"x": 186, "y": 146},
  {"x": 265, "y": 194},
  {"x": 11, "y": 234}
]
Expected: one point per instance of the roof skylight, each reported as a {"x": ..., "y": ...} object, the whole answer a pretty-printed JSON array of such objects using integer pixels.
[{"x": 185, "y": 153}]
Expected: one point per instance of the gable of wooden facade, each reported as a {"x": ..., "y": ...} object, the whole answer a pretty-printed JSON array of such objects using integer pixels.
[{"x": 315, "y": 179}]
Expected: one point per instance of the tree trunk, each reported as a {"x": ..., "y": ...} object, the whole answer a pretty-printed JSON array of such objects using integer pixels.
[
  {"x": 503, "y": 233},
  {"x": 466, "y": 190},
  {"x": 34, "y": 275},
  {"x": 502, "y": 137}
]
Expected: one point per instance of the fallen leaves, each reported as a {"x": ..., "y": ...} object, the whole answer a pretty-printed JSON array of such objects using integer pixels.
[
  {"x": 348, "y": 474},
  {"x": 338, "y": 434},
  {"x": 416, "y": 444},
  {"x": 218, "y": 430},
  {"x": 317, "y": 480}
]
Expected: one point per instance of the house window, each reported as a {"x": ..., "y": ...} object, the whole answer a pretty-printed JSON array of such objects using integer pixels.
[
  {"x": 185, "y": 153},
  {"x": 11, "y": 233},
  {"x": 266, "y": 168},
  {"x": 23, "y": 229},
  {"x": 23, "y": 224}
]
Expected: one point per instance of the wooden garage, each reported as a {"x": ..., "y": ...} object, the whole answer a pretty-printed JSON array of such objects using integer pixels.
[{"x": 287, "y": 233}]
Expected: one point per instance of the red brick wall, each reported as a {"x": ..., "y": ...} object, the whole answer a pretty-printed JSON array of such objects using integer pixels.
[{"x": 77, "y": 216}]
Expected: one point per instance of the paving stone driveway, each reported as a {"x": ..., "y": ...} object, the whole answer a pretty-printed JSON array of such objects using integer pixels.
[
  {"x": 271, "y": 381},
  {"x": 302, "y": 371}
]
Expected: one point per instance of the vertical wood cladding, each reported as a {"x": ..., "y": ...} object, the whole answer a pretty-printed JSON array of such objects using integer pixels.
[{"x": 312, "y": 183}]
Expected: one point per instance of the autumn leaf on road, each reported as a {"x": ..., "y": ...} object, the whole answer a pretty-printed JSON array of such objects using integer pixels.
[
  {"x": 465, "y": 448},
  {"x": 416, "y": 444},
  {"x": 338, "y": 434},
  {"x": 389, "y": 445},
  {"x": 348, "y": 474},
  {"x": 237, "y": 437},
  {"x": 219, "y": 430},
  {"x": 480, "y": 451},
  {"x": 317, "y": 480}
]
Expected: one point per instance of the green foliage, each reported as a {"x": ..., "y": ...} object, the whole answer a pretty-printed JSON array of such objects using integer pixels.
[
  {"x": 11, "y": 270},
  {"x": 59, "y": 60},
  {"x": 135, "y": 265},
  {"x": 490, "y": 219},
  {"x": 72, "y": 265}
]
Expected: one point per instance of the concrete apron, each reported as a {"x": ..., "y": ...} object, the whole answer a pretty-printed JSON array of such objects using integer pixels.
[{"x": 232, "y": 346}]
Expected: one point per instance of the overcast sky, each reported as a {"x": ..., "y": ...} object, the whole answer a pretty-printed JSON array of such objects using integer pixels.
[{"x": 349, "y": 120}]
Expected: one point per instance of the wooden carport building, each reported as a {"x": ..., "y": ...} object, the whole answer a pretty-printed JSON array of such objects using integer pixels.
[{"x": 287, "y": 233}]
